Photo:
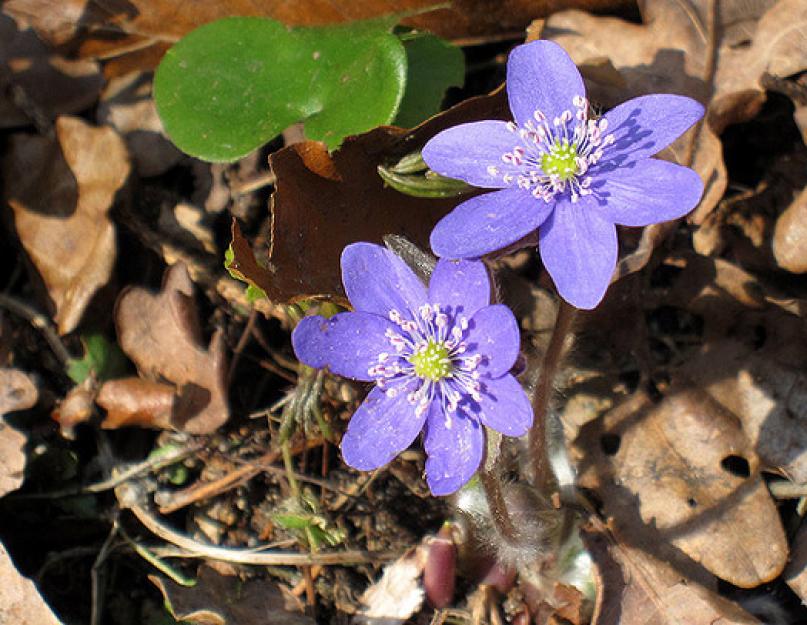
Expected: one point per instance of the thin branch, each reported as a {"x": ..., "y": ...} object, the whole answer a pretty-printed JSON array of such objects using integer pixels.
[
  {"x": 128, "y": 497},
  {"x": 38, "y": 321}
]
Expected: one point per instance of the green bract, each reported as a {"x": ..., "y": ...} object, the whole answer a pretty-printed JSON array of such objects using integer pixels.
[{"x": 234, "y": 84}]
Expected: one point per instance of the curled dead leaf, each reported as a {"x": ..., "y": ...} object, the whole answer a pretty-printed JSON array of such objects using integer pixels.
[
  {"x": 20, "y": 602},
  {"x": 17, "y": 392},
  {"x": 767, "y": 391},
  {"x": 790, "y": 236},
  {"x": 219, "y": 600},
  {"x": 126, "y": 105},
  {"x": 137, "y": 402},
  {"x": 681, "y": 475},
  {"x": 61, "y": 192},
  {"x": 43, "y": 83},
  {"x": 324, "y": 202},
  {"x": 160, "y": 334},
  {"x": 637, "y": 588},
  {"x": 77, "y": 407}
]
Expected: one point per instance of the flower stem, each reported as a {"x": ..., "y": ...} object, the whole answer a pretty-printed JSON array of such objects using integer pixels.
[
  {"x": 542, "y": 477},
  {"x": 498, "y": 508}
]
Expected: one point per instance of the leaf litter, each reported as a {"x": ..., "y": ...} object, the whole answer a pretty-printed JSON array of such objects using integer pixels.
[{"x": 681, "y": 400}]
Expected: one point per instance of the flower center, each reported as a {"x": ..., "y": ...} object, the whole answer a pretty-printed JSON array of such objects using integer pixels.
[
  {"x": 561, "y": 161},
  {"x": 432, "y": 362},
  {"x": 555, "y": 156}
]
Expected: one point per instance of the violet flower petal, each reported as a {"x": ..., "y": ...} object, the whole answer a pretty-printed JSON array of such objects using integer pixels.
[
  {"x": 578, "y": 246},
  {"x": 468, "y": 150},
  {"x": 541, "y": 76},
  {"x": 453, "y": 453},
  {"x": 348, "y": 343},
  {"x": 646, "y": 125},
  {"x": 380, "y": 429},
  {"x": 462, "y": 284},
  {"x": 494, "y": 332},
  {"x": 487, "y": 223},
  {"x": 377, "y": 281},
  {"x": 505, "y": 406},
  {"x": 647, "y": 192}
]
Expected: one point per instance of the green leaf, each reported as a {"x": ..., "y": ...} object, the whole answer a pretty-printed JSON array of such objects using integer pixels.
[
  {"x": 433, "y": 65},
  {"x": 230, "y": 86},
  {"x": 102, "y": 358}
]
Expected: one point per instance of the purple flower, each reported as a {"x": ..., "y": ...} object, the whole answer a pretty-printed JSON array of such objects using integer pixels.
[
  {"x": 440, "y": 359},
  {"x": 569, "y": 176}
]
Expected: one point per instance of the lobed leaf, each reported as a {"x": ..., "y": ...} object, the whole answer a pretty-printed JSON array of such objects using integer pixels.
[{"x": 232, "y": 85}]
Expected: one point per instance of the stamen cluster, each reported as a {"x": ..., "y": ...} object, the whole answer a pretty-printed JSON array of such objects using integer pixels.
[
  {"x": 428, "y": 360},
  {"x": 554, "y": 156}
]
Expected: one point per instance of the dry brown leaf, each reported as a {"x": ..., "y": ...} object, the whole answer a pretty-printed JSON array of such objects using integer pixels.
[
  {"x": 76, "y": 408},
  {"x": 137, "y": 402},
  {"x": 20, "y": 603},
  {"x": 637, "y": 588},
  {"x": 767, "y": 391},
  {"x": 107, "y": 28},
  {"x": 322, "y": 203},
  {"x": 126, "y": 105},
  {"x": 664, "y": 473},
  {"x": 220, "y": 600},
  {"x": 790, "y": 236},
  {"x": 17, "y": 392},
  {"x": 160, "y": 334},
  {"x": 796, "y": 572},
  {"x": 61, "y": 192},
  {"x": 44, "y": 84},
  {"x": 669, "y": 52}
]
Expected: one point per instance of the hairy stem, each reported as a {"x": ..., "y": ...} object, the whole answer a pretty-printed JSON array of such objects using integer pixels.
[
  {"x": 542, "y": 477},
  {"x": 498, "y": 508}
]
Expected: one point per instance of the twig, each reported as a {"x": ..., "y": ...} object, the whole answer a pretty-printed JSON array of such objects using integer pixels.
[
  {"x": 198, "y": 492},
  {"x": 785, "y": 489},
  {"x": 38, "y": 321},
  {"x": 542, "y": 477},
  {"x": 258, "y": 182},
  {"x": 97, "y": 608},
  {"x": 131, "y": 472},
  {"x": 128, "y": 498}
]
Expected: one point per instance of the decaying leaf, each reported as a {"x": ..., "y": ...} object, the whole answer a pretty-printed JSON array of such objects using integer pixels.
[
  {"x": 126, "y": 105},
  {"x": 111, "y": 28},
  {"x": 137, "y": 402},
  {"x": 796, "y": 572},
  {"x": 36, "y": 84},
  {"x": 20, "y": 603},
  {"x": 681, "y": 475},
  {"x": 638, "y": 588},
  {"x": 767, "y": 391},
  {"x": 790, "y": 236},
  {"x": 322, "y": 203},
  {"x": 17, "y": 392},
  {"x": 160, "y": 333},
  {"x": 670, "y": 52},
  {"x": 76, "y": 408},
  {"x": 61, "y": 192},
  {"x": 220, "y": 600},
  {"x": 398, "y": 594}
]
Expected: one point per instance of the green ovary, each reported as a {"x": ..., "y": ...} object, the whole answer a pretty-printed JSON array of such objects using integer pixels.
[
  {"x": 431, "y": 362},
  {"x": 559, "y": 161}
]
